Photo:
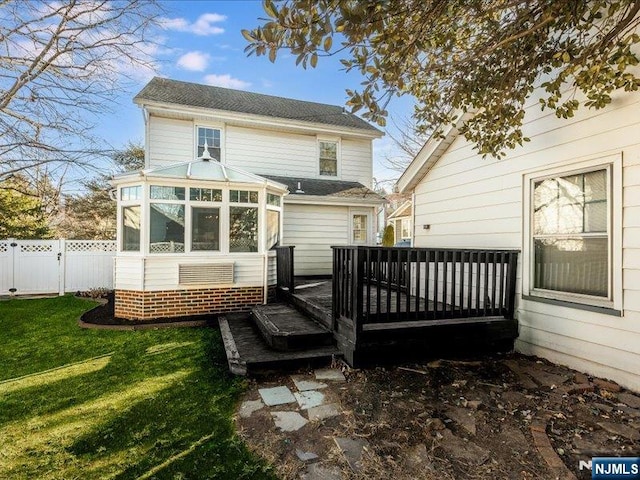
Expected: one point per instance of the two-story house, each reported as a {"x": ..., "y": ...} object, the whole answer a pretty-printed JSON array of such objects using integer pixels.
[{"x": 229, "y": 174}]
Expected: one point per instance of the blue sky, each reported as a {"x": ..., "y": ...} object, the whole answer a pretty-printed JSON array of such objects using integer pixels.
[{"x": 202, "y": 43}]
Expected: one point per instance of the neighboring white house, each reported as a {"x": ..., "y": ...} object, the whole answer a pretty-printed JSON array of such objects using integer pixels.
[
  {"x": 229, "y": 174},
  {"x": 570, "y": 201},
  {"x": 401, "y": 219}
]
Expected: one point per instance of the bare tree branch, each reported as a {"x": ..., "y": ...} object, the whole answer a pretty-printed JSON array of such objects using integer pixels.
[{"x": 58, "y": 62}]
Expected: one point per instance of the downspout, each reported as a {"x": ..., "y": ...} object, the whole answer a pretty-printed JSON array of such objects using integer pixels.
[
  {"x": 413, "y": 218},
  {"x": 145, "y": 116}
]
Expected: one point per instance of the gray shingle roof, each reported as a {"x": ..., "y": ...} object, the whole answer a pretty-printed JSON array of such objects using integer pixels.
[
  {"x": 327, "y": 188},
  {"x": 196, "y": 95}
]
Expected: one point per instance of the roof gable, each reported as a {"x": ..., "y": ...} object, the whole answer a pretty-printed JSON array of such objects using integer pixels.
[{"x": 164, "y": 90}]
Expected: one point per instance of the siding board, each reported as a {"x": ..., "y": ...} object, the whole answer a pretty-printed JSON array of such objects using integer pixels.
[{"x": 471, "y": 202}]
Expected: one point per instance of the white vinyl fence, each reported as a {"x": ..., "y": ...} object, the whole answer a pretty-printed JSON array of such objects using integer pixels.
[{"x": 29, "y": 267}]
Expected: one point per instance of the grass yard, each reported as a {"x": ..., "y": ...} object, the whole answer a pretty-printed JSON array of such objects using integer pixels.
[{"x": 95, "y": 404}]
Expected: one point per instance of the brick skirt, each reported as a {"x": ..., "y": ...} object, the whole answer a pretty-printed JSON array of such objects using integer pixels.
[{"x": 137, "y": 305}]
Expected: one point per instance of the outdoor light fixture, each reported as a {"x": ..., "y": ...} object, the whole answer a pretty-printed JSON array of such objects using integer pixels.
[{"x": 426, "y": 227}]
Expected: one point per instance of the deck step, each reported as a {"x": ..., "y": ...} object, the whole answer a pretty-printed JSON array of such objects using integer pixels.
[
  {"x": 285, "y": 328},
  {"x": 247, "y": 353},
  {"x": 315, "y": 305}
]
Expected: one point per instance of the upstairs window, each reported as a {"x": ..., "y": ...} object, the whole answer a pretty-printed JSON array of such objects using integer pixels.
[
  {"x": 328, "y": 158},
  {"x": 212, "y": 137},
  {"x": 571, "y": 234}
]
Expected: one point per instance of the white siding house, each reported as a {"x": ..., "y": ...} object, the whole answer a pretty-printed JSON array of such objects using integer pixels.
[
  {"x": 569, "y": 200},
  {"x": 227, "y": 175}
]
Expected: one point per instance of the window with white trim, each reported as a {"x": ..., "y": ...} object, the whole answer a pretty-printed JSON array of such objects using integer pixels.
[
  {"x": 131, "y": 198},
  {"x": 406, "y": 228},
  {"x": 212, "y": 138},
  {"x": 571, "y": 234},
  {"x": 328, "y": 156}
]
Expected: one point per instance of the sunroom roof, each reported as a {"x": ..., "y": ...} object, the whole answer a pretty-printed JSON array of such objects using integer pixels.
[{"x": 204, "y": 170}]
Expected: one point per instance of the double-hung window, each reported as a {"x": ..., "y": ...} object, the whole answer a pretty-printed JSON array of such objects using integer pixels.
[
  {"x": 570, "y": 235},
  {"x": 328, "y": 153},
  {"x": 210, "y": 136}
]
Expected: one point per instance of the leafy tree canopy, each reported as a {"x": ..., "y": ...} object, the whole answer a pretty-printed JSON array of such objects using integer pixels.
[
  {"x": 21, "y": 213},
  {"x": 480, "y": 56}
]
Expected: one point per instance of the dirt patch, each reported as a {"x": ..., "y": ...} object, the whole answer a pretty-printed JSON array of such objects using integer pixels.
[{"x": 499, "y": 417}]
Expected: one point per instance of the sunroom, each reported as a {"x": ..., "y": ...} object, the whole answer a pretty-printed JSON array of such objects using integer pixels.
[{"x": 194, "y": 238}]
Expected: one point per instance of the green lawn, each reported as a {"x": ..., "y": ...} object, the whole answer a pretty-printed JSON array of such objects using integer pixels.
[{"x": 87, "y": 404}]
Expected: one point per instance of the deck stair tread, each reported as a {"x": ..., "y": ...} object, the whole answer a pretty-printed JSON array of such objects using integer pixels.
[
  {"x": 284, "y": 327},
  {"x": 248, "y": 353}
]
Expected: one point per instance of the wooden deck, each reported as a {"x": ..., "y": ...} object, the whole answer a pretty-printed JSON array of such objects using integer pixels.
[
  {"x": 380, "y": 305},
  {"x": 248, "y": 353}
]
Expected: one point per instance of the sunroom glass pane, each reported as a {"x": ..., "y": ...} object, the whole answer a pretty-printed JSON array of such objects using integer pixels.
[
  {"x": 166, "y": 232},
  {"x": 131, "y": 229},
  {"x": 160, "y": 192},
  {"x": 243, "y": 229},
  {"x": 205, "y": 229},
  {"x": 273, "y": 228},
  {"x": 574, "y": 265}
]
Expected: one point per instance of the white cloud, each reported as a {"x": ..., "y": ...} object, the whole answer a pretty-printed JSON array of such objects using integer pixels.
[
  {"x": 194, "y": 61},
  {"x": 226, "y": 81},
  {"x": 204, "y": 25}
]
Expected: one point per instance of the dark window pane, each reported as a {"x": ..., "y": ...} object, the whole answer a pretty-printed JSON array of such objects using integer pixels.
[
  {"x": 243, "y": 229},
  {"x": 273, "y": 199},
  {"x": 328, "y": 167},
  {"x": 131, "y": 229},
  {"x": 166, "y": 231},
  {"x": 243, "y": 196},
  {"x": 205, "y": 195},
  {"x": 574, "y": 265},
  {"x": 205, "y": 229}
]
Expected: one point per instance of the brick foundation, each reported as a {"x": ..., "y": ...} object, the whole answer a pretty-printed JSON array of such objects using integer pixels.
[{"x": 137, "y": 305}]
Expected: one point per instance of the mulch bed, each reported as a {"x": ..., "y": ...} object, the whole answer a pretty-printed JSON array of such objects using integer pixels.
[{"x": 103, "y": 316}]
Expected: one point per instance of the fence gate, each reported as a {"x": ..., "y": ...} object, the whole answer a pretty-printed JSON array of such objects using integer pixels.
[
  {"x": 29, "y": 267},
  {"x": 36, "y": 266}
]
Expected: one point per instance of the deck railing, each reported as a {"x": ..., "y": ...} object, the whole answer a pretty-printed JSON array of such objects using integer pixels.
[
  {"x": 377, "y": 284},
  {"x": 284, "y": 267}
]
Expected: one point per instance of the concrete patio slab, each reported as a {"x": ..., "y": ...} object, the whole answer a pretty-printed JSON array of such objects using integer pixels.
[
  {"x": 309, "y": 399},
  {"x": 330, "y": 374},
  {"x": 323, "y": 412},
  {"x": 304, "y": 383},
  {"x": 289, "y": 421},
  {"x": 276, "y": 396}
]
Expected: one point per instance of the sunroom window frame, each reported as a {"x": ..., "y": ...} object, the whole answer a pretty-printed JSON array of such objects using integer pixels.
[
  {"x": 121, "y": 204},
  {"x": 613, "y": 166}
]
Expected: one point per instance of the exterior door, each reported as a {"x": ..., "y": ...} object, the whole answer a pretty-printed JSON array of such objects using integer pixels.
[{"x": 360, "y": 227}]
